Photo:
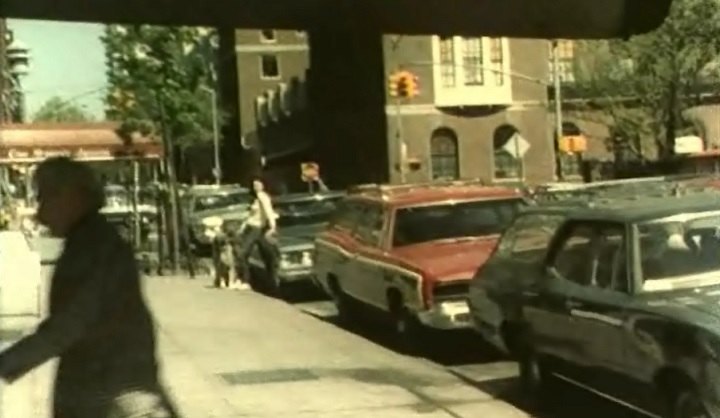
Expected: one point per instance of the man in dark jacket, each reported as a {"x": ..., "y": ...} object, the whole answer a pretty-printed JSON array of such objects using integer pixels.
[{"x": 98, "y": 323}]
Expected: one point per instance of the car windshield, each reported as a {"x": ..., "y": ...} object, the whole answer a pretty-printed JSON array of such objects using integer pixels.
[
  {"x": 217, "y": 201},
  {"x": 680, "y": 251},
  {"x": 415, "y": 225},
  {"x": 305, "y": 212}
]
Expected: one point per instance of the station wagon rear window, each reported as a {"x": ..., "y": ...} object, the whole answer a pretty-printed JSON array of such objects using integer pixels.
[
  {"x": 680, "y": 251},
  {"x": 415, "y": 225}
]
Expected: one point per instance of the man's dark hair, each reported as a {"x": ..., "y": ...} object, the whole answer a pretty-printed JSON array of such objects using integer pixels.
[{"x": 61, "y": 173}]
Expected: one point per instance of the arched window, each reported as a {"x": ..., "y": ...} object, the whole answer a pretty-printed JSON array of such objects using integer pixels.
[
  {"x": 444, "y": 154},
  {"x": 507, "y": 144}
]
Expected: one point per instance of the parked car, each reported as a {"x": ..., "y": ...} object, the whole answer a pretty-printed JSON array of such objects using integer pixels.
[
  {"x": 410, "y": 251},
  {"x": 618, "y": 296},
  {"x": 203, "y": 204},
  {"x": 300, "y": 218},
  {"x": 119, "y": 210}
]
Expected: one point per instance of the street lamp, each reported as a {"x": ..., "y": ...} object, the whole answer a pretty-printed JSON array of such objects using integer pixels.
[
  {"x": 18, "y": 61},
  {"x": 216, "y": 133}
]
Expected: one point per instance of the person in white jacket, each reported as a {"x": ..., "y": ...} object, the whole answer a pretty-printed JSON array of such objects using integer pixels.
[{"x": 258, "y": 229}]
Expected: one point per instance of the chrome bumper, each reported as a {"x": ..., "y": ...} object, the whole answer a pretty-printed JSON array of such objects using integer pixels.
[
  {"x": 295, "y": 275},
  {"x": 447, "y": 316}
]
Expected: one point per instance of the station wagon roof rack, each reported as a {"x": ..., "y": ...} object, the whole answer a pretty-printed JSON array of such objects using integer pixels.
[{"x": 388, "y": 189}]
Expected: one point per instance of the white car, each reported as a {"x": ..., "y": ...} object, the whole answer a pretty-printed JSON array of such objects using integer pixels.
[{"x": 20, "y": 276}]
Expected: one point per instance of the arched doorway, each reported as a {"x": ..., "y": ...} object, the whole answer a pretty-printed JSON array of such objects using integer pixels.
[
  {"x": 507, "y": 166},
  {"x": 444, "y": 155}
]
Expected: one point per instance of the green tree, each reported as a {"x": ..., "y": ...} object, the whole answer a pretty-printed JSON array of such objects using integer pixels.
[
  {"x": 59, "y": 110},
  {"x": 154, "y": 70},
  {"x": 646, "y": 84}
]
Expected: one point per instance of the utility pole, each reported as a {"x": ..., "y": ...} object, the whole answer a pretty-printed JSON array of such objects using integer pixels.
[
  {"x": 402, "y": 84},
  {"x": 400, "y": 139},
  {"x": 216, "y": 134},
  {"x": 558, "y": 105}
]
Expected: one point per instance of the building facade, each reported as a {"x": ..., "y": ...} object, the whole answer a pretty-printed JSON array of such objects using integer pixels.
[
  {"x": 482, "y": 111},
  {"x": 272, "y": 104}
]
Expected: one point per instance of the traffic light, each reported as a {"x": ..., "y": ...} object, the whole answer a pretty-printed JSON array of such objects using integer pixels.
[
  {"x": 403, "y": 86},
  {"x": 393, "y": 85},
  {"x": 413, "y": 88}
]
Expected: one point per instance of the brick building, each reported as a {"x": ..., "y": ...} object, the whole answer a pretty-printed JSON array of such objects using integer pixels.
[
  {"x": 303, "y": 97},
  {"x": 272, "y": 107},
  {"x": 476, "y": 94}
]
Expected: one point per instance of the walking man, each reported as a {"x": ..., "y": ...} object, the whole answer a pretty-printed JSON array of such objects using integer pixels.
[{"x": 98, "y": 323}]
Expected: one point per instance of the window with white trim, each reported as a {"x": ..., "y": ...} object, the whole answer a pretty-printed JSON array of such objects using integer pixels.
[
  {"x": 566, "y": 61},
  {"x": 497, "y": 60},
  {"x": 447, "y": 62},
  {"x": 473, "y": 61}
]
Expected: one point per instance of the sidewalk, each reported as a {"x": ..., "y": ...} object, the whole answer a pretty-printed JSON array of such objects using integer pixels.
[{"x": 232, "y": 354}]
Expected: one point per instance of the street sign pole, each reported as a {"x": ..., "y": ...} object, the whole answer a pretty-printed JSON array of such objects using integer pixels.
[
  {"x": 400, "y": 139},
  {"x": 520, "y": 158}
]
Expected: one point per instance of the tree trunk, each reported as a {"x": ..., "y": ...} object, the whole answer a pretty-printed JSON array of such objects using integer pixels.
[{"x": 671, "y": 121}]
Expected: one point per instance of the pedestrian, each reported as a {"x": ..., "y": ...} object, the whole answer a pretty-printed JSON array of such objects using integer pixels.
[
  {"x": 258, "y": 230},
  {"x": 98, "y": 322}
]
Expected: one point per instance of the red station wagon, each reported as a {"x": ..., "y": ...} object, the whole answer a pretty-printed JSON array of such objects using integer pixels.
[{"x": 410, "y": 250}]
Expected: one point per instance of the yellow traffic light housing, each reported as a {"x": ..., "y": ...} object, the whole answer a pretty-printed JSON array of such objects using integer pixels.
[
  {"x": 403, "y": 87},
  {"x": 393, "y": 85},
  {"x": 413, "y": 85},
  {"x": 403, "y": 84}
]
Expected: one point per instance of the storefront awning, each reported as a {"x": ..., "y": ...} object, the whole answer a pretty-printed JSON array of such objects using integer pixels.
[{"x": 32, "y": 143}]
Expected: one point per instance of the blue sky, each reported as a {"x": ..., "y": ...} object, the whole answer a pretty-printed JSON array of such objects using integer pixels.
[{"x": 67, "y": 60}]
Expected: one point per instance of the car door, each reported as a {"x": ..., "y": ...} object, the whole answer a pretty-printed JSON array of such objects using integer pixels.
[
  {"x": 598, "y": 308},
  {"x": 366, "y": 281},
  {"x": 548, "y": 302},
  {"x": 516, "y": 264},
  {"x": 336, "y": 246}
]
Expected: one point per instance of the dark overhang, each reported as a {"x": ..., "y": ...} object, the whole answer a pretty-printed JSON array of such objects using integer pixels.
[{"x": 570, "y": 19}]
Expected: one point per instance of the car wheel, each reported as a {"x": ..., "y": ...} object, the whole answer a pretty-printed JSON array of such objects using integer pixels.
[
  {"x": 407, "y": 329},
  {"x": 688, "y": 404},
  {"x": 343, "y": 304}
]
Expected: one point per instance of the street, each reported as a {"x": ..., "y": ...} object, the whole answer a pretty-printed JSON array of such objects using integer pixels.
[{"x": 232, "y": 354}]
